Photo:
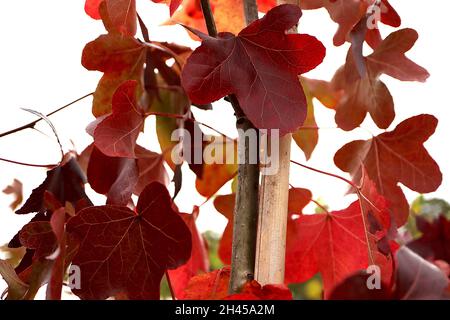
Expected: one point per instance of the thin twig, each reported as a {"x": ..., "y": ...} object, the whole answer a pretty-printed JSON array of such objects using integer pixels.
[
  {"x": 33, "y": 123},
  {"x": 48, "y": 166},
  {"x": 326, "y": 173}
]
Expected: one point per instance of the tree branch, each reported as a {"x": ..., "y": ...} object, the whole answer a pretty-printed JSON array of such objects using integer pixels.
[{"x": 246, "y": 207}]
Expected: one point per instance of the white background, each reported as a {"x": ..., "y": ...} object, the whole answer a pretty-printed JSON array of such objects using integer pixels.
[{"x": 41, "y": 45}]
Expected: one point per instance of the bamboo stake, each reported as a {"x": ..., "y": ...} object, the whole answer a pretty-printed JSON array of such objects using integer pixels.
[{"x": 273, "y": 210}]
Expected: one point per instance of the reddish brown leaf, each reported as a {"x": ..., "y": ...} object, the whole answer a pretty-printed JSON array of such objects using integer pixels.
[
  {"x": 365, "y": 95},
  {"x": 121, "y": 58},
  {"x": 15, "y": 189},
  {"x": 253, "y": 66},
  {"x": 389, "y": 58},
  {"x": 347, "y": 14},
  {"x": 395, "y": 157},
  {"x": 137, "y": 251},
  {"x": 40, "y": 237},
  {"x": 359, "y": 79},
  {"x": 198, "y": 262},
  {"x": 116, "y": 134}
]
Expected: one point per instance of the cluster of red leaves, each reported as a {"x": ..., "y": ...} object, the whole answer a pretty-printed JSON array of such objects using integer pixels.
[{"x": 124, "y": 250}]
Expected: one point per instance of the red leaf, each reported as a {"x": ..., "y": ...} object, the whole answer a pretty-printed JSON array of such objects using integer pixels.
[
  {"x": 395, "y": 157},
  {"x": 253, "y": 66},
  {"x": 252, "y": 290},
  {"x": 91, "y": 7},
  {"x": 335, "y": 245},
  {"x": 209, "y": 286},
  {"x": 137, "y": 251},
  {"x": 116, "y": 134},
  {"x": 214, "y": 286},
  {"x": 198, "y": 262},
  {"x": 118, "y": 15},
  {"x": 174, "y": 4}
]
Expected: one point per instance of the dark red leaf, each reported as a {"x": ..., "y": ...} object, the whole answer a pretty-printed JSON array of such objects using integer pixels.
[
  {"x": 113, "y": 176},
  {"x": 126, "y": 252},
  {"x": 118, "y": 178},
  {"x": 261, "y": 66},
  {"x": 116, "y": 134},
  {"x": 65, "y": 182},
  {"x": 433, "y": 244},
  {"x": 416, "y": 279}
]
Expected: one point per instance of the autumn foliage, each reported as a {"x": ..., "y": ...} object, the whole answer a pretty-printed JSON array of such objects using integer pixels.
[{"x": 125, "y": 248}]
